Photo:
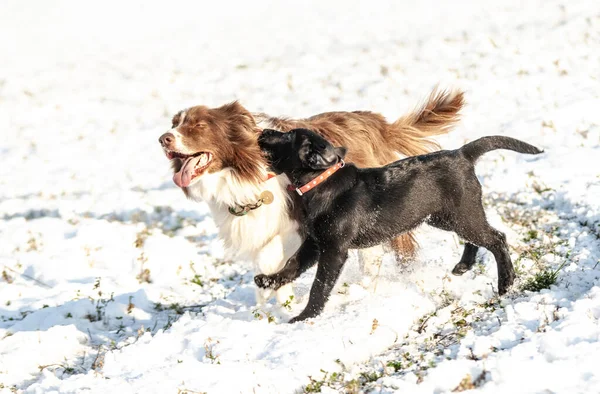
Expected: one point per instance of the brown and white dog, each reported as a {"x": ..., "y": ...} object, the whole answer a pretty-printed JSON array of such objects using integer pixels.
[{"x": 216, "y": 158}]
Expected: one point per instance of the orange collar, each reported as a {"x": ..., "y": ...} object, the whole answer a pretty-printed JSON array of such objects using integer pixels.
[
  {"x": 269, "y": 176},
  {"x": 318, "y": 180}
]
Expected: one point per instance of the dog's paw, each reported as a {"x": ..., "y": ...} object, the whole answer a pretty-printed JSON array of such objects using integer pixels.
[
  {"x": 264, "y": 281},
  {"x": 460, "y": 269},
  {"x": 305, "y": 314},
  {"x": 505, "y": 282},
  {"x": 297, "y": 319}
]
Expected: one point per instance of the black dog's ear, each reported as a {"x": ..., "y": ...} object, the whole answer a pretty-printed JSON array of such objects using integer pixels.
[
  {"x": 340, "y": 151},
  {"x": 322, "y": 160}
]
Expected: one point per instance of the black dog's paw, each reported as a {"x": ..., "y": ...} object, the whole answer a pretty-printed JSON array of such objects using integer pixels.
[
  {"x": 303, "y": 316},
  {"x": 264, "y": 281},
  {"x": 297, "y": 319},
  {"x": 505, "y": 282},
  {"x": 460, "y": 269}
]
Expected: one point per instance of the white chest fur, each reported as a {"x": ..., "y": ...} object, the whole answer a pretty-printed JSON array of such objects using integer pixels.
[{"x": 268, "y": 236}]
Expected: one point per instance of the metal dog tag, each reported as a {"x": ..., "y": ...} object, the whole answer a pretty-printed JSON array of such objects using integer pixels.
[{"x": 266, "y": 197}]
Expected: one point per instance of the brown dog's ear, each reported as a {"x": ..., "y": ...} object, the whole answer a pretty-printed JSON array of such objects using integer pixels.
[
  {"x": 340, "y": 151},
  {"x": 235, "y": 111}
]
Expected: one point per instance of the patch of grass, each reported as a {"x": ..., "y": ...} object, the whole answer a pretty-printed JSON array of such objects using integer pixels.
[
  {"x": 314, "y": 386},
  {"x": 369, "y": 377},
  {"x": 531, "y": 235},
  {"x": 540, "y": 187},
  {"x": 13, "y": 389},
  {"x": 329, "y": 380},
  {"x": 33, "y": 244},
  {"x": 197, "y": 280},
  {"x": 130, "y": 305},
  {"x": 188, "y": 391},
  {"x": 168, "y": 324},
  {"x": 461, "y": 323},
  {"x": 259, "y": 314},
  {"x": 396, "y": 364},
  {"x": 140, "y": 238},
  {"x": 65, "y": 367},
  {"x": 288, "y": 303},
  {"x": 100, "y": 305},
  {"x": 542, "y": 280},
  {"x": 374, "y": 326},
  {"x": 209, "y": 351},
  {"x": 408, "y": 358},
  {"x": 144, "y": 275},
  {"x": 175, "y": 307},
  {"x": 7, "y": 278},
  {"x": 469, "y": 384}
]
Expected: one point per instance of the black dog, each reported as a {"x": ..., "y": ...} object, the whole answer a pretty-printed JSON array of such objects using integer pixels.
[{"x": 357, "y": 208}]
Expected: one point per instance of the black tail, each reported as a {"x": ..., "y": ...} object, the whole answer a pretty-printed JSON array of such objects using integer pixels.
[{"x": 473, "y": 150}]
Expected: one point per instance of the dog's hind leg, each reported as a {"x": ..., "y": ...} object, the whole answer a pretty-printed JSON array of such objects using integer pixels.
[
  {"x": 467, "y": 261},
  {"x": 475, "y": 229},
  {"x": 506, "y": 271},
  {"x": 328, "y": 271}
]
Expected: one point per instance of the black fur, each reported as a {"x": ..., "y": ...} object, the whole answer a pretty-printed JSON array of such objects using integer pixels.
[{"x": 358, "y": 208}]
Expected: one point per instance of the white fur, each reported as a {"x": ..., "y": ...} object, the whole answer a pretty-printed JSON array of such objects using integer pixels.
[
  {"x": 178, "y": 145},
  {"x": 267, "y": 236}
]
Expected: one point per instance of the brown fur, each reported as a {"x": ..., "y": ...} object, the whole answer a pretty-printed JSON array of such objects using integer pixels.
[{"x": 230, "y": 133}]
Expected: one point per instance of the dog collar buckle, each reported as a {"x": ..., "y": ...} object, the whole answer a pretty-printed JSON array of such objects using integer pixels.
[{"x": 299, "y": 191}]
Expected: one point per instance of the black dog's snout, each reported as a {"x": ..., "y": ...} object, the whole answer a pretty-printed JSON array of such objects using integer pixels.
[{"x": 266, "y": 134}]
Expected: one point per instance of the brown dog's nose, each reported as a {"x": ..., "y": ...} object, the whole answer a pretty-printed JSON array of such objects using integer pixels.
[{"x": 166, "y": 139}]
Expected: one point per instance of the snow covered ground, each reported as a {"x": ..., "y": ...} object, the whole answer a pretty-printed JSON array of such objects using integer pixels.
[{"x": 112, "y": 282}]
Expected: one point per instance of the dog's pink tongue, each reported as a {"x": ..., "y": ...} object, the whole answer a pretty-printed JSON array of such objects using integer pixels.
[{"x": 185, "y": 174}]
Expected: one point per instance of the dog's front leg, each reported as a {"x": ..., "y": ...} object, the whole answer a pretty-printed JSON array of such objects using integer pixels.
[
  {"x": 329, "y": 269},
  {"x": 305, "y": 257},
  {"x": 269, "y": 260}
]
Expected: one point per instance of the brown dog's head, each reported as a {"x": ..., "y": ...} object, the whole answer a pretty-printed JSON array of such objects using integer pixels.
[{"x": 206, "y": 140}]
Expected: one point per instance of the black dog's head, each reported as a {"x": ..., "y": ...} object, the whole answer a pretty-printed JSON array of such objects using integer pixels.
[{"x": 298, "y": 149}]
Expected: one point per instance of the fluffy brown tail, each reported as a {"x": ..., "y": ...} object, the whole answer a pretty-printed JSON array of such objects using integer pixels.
[{"x": 410, "y": 135}]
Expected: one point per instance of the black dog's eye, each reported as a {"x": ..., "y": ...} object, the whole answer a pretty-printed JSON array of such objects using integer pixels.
[{"x": 320, "y": 146}]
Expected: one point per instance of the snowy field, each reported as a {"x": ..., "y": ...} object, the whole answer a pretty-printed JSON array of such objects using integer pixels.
[{"x": 112, "y": 282}]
